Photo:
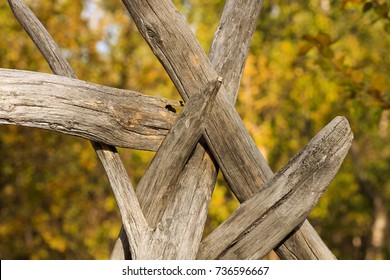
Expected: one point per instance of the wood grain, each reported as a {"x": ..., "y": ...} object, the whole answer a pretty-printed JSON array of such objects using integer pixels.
[
  {"x": 236, "y": 28},
  {"x": 173, "y": 43},
  {"x": 138, "y": 231},
  {"x": 41, "y": 38},
  {"x": 230, "y": 46},
  {"x": 200, "y": 73},
  {"x": 284, "y": 202},
  {"x": 117, "y": 117},
  {"x": 187, "y": 214},
  {"x": 134, "y": 222},
  {"x": 157, "y": 186}
]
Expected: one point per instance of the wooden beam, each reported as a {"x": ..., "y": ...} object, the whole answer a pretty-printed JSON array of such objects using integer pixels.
[
  {"x": 157, "y": 186},
  {"x": 136, "y": 227},
  {"x": 187, "y": 213},
  {"x": 138, "y": 231},
  {"x": 236, "y": 28},
  {"x": 172, "y": 41},
  {"x": 174, "y": 44},
  {"x": 42, "y": 39},
  {"x": 227, "y": 5},
  {"x": 117, "y": 117},
  {"x": 284, "y": 202}
]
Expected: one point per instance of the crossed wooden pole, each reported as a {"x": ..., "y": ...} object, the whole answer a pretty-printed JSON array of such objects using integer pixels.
[{"x": 164, "y": 219}]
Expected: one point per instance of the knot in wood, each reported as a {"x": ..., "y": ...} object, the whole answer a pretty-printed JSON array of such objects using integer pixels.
[{"x": 154, "y": 37}]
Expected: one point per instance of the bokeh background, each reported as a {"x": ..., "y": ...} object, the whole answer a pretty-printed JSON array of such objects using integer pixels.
[{"x": 310, "y": 61}]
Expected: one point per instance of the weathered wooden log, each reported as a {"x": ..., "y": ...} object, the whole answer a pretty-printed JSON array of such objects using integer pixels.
[
  {"x": 231, "y": 43},
  {"x": 174, "y": 44},
  {"x": 158, "y": 183},
  {"x": 189, "y": 204},
  {"x": 146, "y": 242},
  {"x": 132, "y": 216},
  {"x": 161, "y": 177},
  {"x": 197, "y": 180},
  {"x": 303, "y": 243},
  {"x": 117, "y": 117},
  {"x": 111, "y": 151},
  {"x": 284, "y": 202},
  {"x": 136, "y": 227},
  {"x": 236, "y": 28}
]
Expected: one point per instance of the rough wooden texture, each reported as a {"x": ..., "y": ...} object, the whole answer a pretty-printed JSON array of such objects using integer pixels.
[
  {"x": 117, "y": 117},
  {"x": 236, "y": 27},
  {"x": 149, "y": 242},
  {"x": 157, "y": 186},
  {"x": 136, "y": 227},
  {"x": 231, "y": 42},
  {"x": 303, "y": 243},
  {"x": 41, "y": 38},
  {"x": 197, "y": 180},
  {"x": 122, "y": 190},
  {"x": 284, "y": 202},
  {"x": 174, "y": 44},
  {"x": 134, "y": 222},
  {"x": 197, "y": 72}
]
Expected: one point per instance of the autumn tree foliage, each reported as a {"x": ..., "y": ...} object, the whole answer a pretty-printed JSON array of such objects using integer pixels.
[{"x": 310, "y": 61}]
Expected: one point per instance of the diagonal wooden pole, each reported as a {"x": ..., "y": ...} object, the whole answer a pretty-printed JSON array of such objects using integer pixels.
[
  {"x": 132, "y": 217},
  {"x": 160, "y": 178},
  {"x": 141, "y": 223},
  {"x": 284, "y": 201},
  {"x": 162, "y": 174},
  {"x": 187, "y": 214},
  {"x": 144, "y": 242},
  {"x": 176, "y": 47}
]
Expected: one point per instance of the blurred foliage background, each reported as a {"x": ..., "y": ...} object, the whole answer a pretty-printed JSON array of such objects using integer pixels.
[{"x": 310, "y": 61}]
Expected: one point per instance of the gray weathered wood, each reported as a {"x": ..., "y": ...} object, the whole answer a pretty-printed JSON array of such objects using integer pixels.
[
  {"x": 158, "y": 183},
  {"x": 136, "y": 227},
  {"x": 236, "y": 27},
  {"x": 132, "y": 217},
  {"x": 237, "y": 24},
  {"x": 174, "y": 44},
  {"x": 117, "y": 117},
  {"x": 230, "y": 46},
  {"x": 284, "y": 202},
  {"x": 142, "y": 255},
  {"x": 41, "y": 38},
  {"x": 198, "y": 178},
  {"x": 161, "y": 177},
  {"x": 303, "y": 243}
]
